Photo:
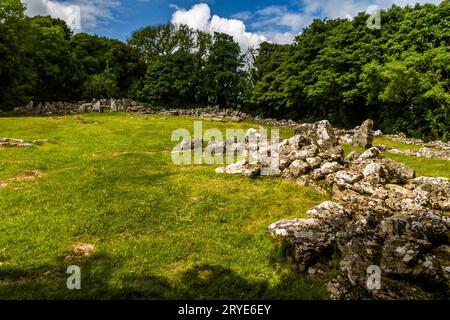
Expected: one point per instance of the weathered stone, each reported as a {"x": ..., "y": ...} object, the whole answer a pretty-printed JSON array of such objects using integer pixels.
[
  {"x": 378, "y": 133},
  {"x": 8, "y": 142},
  {"x": 314, "y": 162},
  {"x": 352, "y": 156},
  {"x": 330, "y": 167},
  {"x": 188, "y": 145},
  {"x": 297, "y": 142},
  {"x": 385, "y": 216},
  {"x": 398, "y": 173},
  {"x": 432, "y": 196},
  {"x": 244, "y": 168},
  {"x": 319, "y": 133},
  {"x": 344, "y": 178},
  {"x": 372, "y": 153},
  {"x": 298, "y": 168},
  {"x": 305, "y": 239},
  {"x": 331, "y": 214},
  {"x": 363, "y": 137},
  {"x": 334, "y": 154},
  {"x": 306, "y": 152}
]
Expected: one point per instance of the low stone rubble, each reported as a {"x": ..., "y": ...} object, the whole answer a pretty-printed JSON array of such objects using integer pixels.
[
  {"x": 430, "y": 150},
  {"x": 381, "y": 215},
  {"x": 9, "y": 142},
  {"x": 362, "y": 136},
  {"x": 215, "y": 113},
  {"x": 283, "y": 123},
  {"x": 212, "y": 113},
  {"x": 422, "y": 153},
  {"x": 72, "y": 108},
  {"x": 412, "y": 141},
  {"x": 309, "y": 156}
]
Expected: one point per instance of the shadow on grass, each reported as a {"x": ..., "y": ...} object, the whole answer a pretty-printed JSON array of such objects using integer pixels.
[{"x": 103, "y": 277}]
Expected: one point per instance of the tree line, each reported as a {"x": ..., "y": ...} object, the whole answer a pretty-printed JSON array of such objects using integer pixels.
[{"x": 336, "y": 69}]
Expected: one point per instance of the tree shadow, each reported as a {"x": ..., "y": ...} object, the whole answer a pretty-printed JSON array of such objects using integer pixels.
[{"x": 100, "y": 281}]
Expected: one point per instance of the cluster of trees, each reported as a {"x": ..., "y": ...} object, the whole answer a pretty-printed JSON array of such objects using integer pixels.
[
  {"x": 41, "y": 60},
  {"x": 338, "y": 69},
  {"x": 187, "y": 67},
  {"x": 343, "y": 71}
]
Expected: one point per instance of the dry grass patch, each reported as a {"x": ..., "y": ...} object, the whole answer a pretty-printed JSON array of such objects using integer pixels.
[{"x": 27, "y": 176}]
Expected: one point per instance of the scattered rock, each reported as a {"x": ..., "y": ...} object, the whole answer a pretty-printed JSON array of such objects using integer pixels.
[
  {"x": 10, "y": 143},
  {"x": 80, "y": 250},
  {"x": 385, "y": 217},
  {"x": 378, "y": 133}
]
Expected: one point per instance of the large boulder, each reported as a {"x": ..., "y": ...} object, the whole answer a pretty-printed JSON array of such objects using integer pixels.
[
  {"x": 363, "y": 136},
  {"x": 320, "y": 133}
]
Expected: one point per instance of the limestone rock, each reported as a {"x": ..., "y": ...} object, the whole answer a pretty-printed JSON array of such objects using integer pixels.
[
  {"x": 363, "y": 136},
  {"x": 244, "y": 168},
  {"x": 8, "y": 142},
  {"x": 319, "y": 133}
]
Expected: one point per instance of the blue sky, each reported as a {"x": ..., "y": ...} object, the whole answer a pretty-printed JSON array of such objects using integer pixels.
[{"x": 249, "y": 22}]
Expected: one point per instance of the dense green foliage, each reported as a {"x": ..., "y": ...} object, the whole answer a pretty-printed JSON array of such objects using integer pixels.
[
  {"x": 42, "y": 60},
  {"x": 188, "y": 67},
  {"x": 336, "y": 69},
  {"x": 345, "y": 72}
]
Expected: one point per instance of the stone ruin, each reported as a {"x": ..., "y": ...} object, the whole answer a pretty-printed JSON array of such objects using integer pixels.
[
  {"x": 73, "y": 108},
  {"x": 430, "y": 150},
  {"x": 210, "y": 113},
  {"x": 381, "y": 215},
  {"x": 361, "y": 136},
  {"x": 217, "y": 114}
]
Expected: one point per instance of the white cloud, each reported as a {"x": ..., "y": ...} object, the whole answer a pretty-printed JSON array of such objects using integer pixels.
[
  {"x": 243, "y": 15},
  {"x": 277, "y": 24},
  {"x": 349, "y": 8},
  {"x": 279, "y": 37},
  {"x": 92, "y": 12},
  {"x": 271, "y": 10},
  {"x": 280, "y": 17},
  {"x": 292, "y": 20},
  {"x": 199, "y": 18}
]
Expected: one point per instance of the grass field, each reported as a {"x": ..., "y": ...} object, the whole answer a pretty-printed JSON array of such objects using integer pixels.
[{"x": 159, "y": 230}]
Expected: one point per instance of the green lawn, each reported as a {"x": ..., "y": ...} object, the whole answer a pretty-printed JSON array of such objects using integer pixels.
[{"x": 159, "y": 230}]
